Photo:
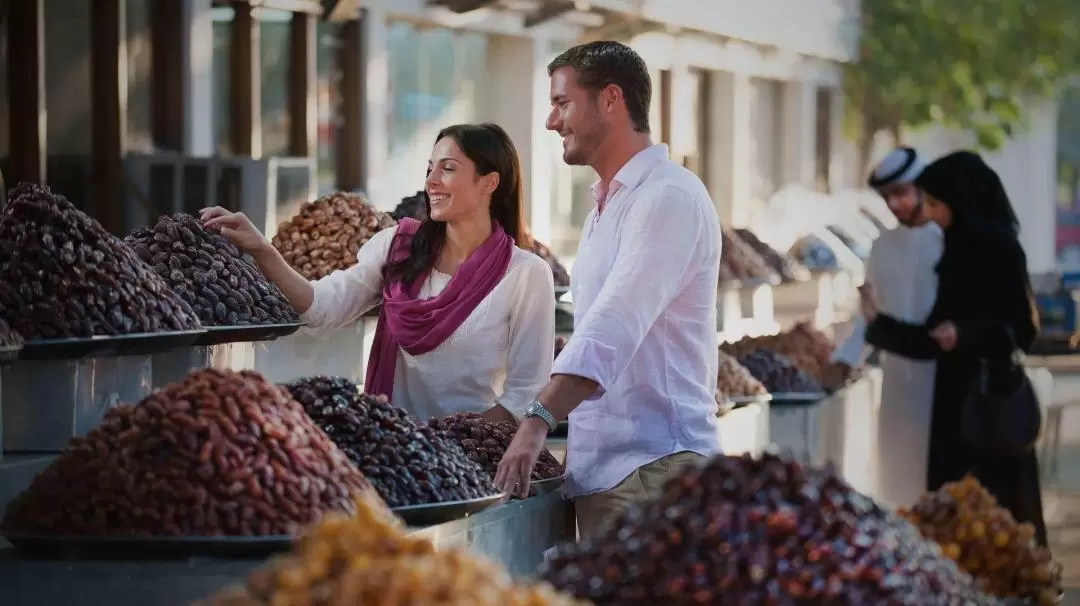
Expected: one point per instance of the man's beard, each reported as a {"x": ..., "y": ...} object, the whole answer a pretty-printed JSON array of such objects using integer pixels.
[{"x": 586, "y": 140}]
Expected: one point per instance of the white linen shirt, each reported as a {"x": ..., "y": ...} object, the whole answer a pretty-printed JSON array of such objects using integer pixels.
[
  {"x": 500, "y": 354},
  {"x": 644, "y": 288}
]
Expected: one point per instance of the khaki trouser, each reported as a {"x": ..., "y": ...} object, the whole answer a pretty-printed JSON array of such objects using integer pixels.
[{"x": 644, "y": 484}]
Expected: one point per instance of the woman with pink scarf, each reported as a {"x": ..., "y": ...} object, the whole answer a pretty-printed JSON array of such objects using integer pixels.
[{"x": 468, "y": 315}]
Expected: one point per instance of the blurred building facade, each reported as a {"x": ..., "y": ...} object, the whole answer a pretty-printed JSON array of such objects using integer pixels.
[
  {"x": 355, "y": 91},
  {"x": 136, "y": 107}
]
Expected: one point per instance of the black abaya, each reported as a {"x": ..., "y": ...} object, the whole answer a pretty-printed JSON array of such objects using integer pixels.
[{"x": 984, "y": 289}]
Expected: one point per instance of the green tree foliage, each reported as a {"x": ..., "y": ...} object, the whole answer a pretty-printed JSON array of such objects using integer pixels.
[{"x": 967, "y": 64}]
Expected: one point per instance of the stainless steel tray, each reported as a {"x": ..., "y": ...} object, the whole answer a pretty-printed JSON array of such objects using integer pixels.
[
  {"x": 139, "y": 548},
  {"x": 740, "y": 401},
  {"x": 9, "y": 353},
  {"x": 796, "y": 399},
  {"x": 216, "y": 335},
  {"x": 108, "y": 345},
  {"x": 539, "y": 487},
  {"x": 429, "y": 514}
]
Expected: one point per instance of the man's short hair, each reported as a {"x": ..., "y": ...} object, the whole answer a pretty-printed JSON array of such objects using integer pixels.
[{"x": 602, "y": 63}]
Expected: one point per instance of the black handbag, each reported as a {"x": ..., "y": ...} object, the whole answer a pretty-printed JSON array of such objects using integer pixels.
[{"x": 1002, "y": 416}]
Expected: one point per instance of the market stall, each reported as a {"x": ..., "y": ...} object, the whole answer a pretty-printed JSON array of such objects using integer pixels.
[
  {"x": 515, "y": 534},
  {"x": 129, "y": 434}
]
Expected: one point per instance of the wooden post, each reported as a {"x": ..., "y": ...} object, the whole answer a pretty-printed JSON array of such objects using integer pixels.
[
  {"x": 244, "y": 98},
  {"x": 26, "y": 90},
  {"x": 108, "y": 91},
  {"x": 351, "y": 150},
  {"x": 166, "y": 74},
  {"x": 303, "y": 82}
]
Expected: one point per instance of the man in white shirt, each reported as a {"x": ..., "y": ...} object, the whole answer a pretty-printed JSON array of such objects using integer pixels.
[
  {"x": 637, "y": 378},
  {"x": 901, "y": 279}
]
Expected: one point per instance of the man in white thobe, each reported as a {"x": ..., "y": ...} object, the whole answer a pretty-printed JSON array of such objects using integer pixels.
[{"x": 900, "y": 274}]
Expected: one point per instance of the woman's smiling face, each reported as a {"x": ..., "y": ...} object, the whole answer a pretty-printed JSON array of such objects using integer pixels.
[{"x": 454, "y": 189}]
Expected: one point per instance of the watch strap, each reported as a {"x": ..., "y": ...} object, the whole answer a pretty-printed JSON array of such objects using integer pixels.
[{"x": 537, "y": 409}]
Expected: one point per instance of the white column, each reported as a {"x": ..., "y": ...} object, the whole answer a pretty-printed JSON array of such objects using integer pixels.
[
  {"x": 376, "y": 94},
  {"x": 841, "y": 164},
  {"x": 683, "y": 136},
  {"x": 799, "y": 134},
  {"x": 198, "y": 58},
  {"x": 517, "y": 101},
  {"x": 730, "y": 160}
]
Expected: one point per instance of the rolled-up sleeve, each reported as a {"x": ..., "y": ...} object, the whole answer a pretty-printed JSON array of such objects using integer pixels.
[
  {"x": 657, "y": 246},
  {"x": 532, "y": 337},
  {"x": 345, "y": 295}
]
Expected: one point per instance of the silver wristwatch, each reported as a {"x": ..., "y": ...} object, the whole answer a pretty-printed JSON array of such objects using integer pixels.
[{"x": 536, "y": 409}]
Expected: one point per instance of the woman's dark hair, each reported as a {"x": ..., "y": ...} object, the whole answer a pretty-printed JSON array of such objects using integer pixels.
[
  {"x": 972, "y": 190},
  {"x": 492, "y": 151}
]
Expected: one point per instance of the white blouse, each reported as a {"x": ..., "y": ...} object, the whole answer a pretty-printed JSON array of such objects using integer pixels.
[{"x": 501, "y": 354}]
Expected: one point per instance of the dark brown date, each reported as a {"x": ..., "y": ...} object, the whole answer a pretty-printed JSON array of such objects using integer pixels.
[
  {"x": 222, "y": 284},
  {"x": 406, "y": 462},
  {"x": 744, "y": 530},
  {"x": 789, "y": 269},
  {"x": 170, "y": 466},
  {"x": 63, "y": 276},
  {"x": 777, "y": 373},
  {"x": 486, "y": 442}
]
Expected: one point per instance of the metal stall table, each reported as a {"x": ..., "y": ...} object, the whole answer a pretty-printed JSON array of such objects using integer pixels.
[{"x": 515, "y": 534}]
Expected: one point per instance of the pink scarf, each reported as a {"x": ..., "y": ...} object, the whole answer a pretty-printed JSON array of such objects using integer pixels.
[{"x": 419, "y": 326}]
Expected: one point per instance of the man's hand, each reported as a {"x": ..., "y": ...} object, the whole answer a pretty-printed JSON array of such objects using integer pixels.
[
  {"x": 867, "y": 303},
  {"x": 946, "y": 335},
  {"x": 517, "y": 463}
]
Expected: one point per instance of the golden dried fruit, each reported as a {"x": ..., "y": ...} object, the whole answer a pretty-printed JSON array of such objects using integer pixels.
[
  {"x": 368, "y": 559},
  {"x": 987, "y": 542}
]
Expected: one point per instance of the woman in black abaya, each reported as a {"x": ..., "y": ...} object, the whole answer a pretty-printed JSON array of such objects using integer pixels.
[{"x": 984, "y": 310}]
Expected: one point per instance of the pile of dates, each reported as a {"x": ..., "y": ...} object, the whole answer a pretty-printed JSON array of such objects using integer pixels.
[
  {"x": 63, "y": 276},
  {"x": 777, "y": 373},
  {"x": 735, "y": 381},
  {"x": 370, "y": 560},
  {"x": 987, "y": 542},
  {"x": 806, "y": 347},
  {"x": 222, "y": 284},
  {"x": 486, "y": 442},
  {"x": 219, "y": 453},
  {"x": 788, "y": 269},
  {"x": 558, "y": 271},
  {"x": 742, "y": 531},
  {"x": 738, "y": 261},
  {"x": 413, "y": 207},
  {"x": 406, "y": 462},
  {"x": 326, "y": 234}
]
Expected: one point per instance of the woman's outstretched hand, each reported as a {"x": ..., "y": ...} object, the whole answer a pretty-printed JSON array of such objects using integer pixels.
[{"x": 237, "y": 228}]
